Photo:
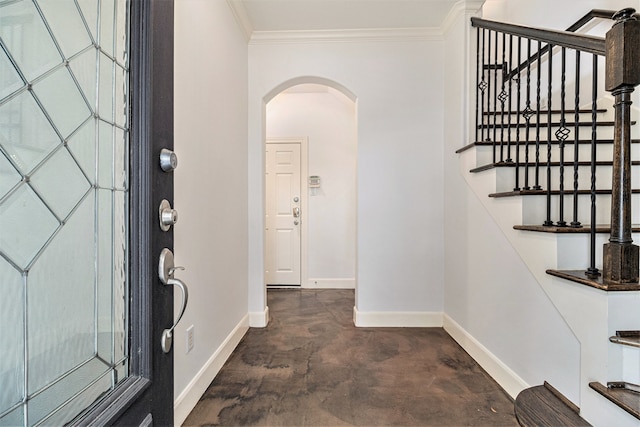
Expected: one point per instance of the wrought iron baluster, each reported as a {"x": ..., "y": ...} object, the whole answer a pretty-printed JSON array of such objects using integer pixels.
[
  {"x": 549, "y": 94},
  {"x": 517, "y": 187},
  {"x": 576, "y": 140},
  {"x": 592, "y": 271},
  {"x": 507, "y": 72},
  {"x": 482, "y": 85},
  {"x": 536, "y": 185},
  {"x": 561, "y": 135},
  {"x": 502, "y": 97},
  {"x": 495, "y": 95},
  {"x": 527, "y": 114},
  {"x": 489, "y": 110},
  {"x": 478, "y": 117}
]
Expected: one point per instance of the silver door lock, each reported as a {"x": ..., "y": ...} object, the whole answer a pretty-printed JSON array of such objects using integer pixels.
[
  {"x": 168, "y": 160},
  {"x": 166, "y": 215}
]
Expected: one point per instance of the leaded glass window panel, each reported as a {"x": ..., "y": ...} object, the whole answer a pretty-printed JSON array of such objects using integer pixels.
[{"x": 64, "y": 200}]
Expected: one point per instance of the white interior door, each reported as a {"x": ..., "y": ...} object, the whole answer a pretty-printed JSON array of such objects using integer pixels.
[{"x": 283, "y": 214}]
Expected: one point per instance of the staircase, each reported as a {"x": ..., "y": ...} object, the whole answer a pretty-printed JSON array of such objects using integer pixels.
[{"x": 554, "y": 134}]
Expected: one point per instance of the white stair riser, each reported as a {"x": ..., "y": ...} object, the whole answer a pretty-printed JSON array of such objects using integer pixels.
[
  {"x": 505, "y": 177},
  {"x": 604, "y": 152},
  {"x": 574, "y": 250},
  {"x": 534, "y": 209}
]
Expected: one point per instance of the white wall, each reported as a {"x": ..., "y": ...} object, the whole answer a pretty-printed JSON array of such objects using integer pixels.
[
  {"x": 399, "y": 92},
  {"x": 328, "y": 119},
  {"x": 210, "y": 191}
]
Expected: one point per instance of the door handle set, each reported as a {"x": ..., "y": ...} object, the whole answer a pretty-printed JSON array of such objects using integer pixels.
[{"x": 166, "y": 269}]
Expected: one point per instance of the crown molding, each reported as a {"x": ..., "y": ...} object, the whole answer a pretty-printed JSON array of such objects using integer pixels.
[
  {"x": 462, "y": 6},
  {"x": 352, "y": 35},
  {"x": 346, "y": 36},
  {"x": 242, "y": 18}
]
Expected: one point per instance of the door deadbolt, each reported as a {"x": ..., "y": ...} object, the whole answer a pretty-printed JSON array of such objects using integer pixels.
[
  {"x": 168, "y": 160},
  {"x": 167, "y": 215}
]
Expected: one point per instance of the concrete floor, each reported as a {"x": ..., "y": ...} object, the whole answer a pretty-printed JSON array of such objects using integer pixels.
[{"x": 312, "y": 367}]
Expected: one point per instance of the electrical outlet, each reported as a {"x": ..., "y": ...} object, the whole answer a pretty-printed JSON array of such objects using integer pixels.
[{"x": 190, "y": 338}]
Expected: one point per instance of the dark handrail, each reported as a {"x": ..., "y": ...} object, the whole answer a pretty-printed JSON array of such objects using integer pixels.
[
  {"x": 595, "y": 13},
  {"x": 581, "y": 42},
  {"x": 592, "y": 14}
]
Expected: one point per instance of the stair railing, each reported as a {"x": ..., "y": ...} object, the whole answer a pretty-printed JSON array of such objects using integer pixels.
[{"x": 518, "y": 126}]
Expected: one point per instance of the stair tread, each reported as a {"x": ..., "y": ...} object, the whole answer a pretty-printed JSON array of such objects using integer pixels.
[
  {"x": 522, "y": 143},
  {"x": 579, "y": 276},
  {"x": 586, "y": 228},
  {"x": 568, "y": 125},
  {"x": 567, "y": 192},
  {"x": 630, "y": 338},
  {"x": 512, "y": 164},
  {"x": 625, "y": 399},
  {"x": 542, "y": 406},
  {"x": 566, "y": 112}
]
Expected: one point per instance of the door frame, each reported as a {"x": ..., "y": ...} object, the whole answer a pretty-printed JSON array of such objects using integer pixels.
[
  {"x": 146, "y": 396},
  {"x": 303, "y": 141}
]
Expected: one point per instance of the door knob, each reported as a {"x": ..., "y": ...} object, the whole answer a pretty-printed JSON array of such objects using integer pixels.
[
  {"x": 167, "y": 215},
  {"x": 296, "y": 212},
  {"x": 166, "y": 269}
]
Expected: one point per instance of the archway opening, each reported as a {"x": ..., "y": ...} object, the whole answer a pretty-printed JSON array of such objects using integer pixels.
[{"x": 320, "y": 117}]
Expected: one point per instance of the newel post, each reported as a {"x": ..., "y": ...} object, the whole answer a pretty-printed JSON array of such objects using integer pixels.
[{"x": 620, "y": 263}]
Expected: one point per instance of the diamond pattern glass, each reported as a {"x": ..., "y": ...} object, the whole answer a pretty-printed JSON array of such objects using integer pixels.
[
  {"x": 26, "y": 37},
  {"x": 105, "y": 273},
  {"x": 26, "y": 226},
  {"x": 105, "y": 155},
  {"x": 10, "y": 80},
  {"x": 60, "y": 171},
  {"x": 83, "y": 68},
  {"x": 61, "y": 324},
  {"x": 25, "y": 133},
  {"x": 63, "y": 206},
  {"x": 83, "y": 147},
  {"x": 63, "y": 101},
  {"x": 107, "y": 11},
  {"x": 89, "y": 10},
  {"x": 11, "y": 350},
  {"x": 105, "y": 106},
  {"x": 9, "y": 176},
  {"x": 66, "y": 23}
]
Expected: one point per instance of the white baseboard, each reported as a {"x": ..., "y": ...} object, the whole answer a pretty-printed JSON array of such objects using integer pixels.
[
  {"x": 397, "y": 319},
  {"x": 187, "y": 400},
  {"x": 508, "y": 380},
  {"x": 259, "y": 319},
  {"x": 330, "y": 284}
]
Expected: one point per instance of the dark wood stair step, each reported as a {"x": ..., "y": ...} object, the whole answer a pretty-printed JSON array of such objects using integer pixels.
[
  {"x": 546, "y": 124},
  {"x": 617, "y": 393},
  {"x": 579, "y": 276},
  {"x": 567, "y": 192},
  {"x": 543, "y": 406},
  {"x": 566, "y": 164},
  {"x": 630, "y": 338},
  {"x": 545, "y": 112},
  {"x": 586, "y": 228},
  {"x": 532, "y": 143}
]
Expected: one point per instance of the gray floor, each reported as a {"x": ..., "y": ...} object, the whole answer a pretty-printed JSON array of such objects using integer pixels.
[{"x": 312, "y": 367}]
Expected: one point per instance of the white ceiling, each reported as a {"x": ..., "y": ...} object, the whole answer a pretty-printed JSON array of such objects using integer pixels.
[{"x": 315, "y": 15}]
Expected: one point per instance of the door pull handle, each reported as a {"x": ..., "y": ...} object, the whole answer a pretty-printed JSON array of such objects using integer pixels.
[
  {"x": 166, "y": 269},
  {"x": 167, "y": 334}
]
